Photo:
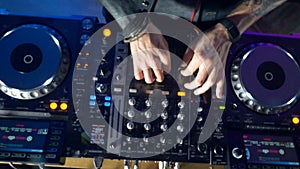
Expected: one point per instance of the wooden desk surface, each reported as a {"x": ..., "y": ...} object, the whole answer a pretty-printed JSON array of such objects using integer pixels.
[{"x": 87, "y": 163}]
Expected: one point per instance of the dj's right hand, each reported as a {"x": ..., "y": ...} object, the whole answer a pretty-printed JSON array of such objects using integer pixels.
[{"x": 151, "y": 56}]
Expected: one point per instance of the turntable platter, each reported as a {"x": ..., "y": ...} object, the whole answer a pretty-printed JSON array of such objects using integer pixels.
[
  {"x": 263, "y": 78},
  {"x": 35, "y": 60}
]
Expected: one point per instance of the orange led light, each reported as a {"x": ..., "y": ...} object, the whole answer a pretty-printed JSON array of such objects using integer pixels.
[
  {"x": 296, "y": 120},
  {"x": 106, "y": 32},
  {"x": 63, "y": 106},
  {"x": 53, "y": 106},
  {"x": 181, "y": 94}
]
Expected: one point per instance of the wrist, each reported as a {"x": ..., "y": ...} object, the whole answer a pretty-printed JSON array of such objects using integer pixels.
[{"x": 233, "y": 33}]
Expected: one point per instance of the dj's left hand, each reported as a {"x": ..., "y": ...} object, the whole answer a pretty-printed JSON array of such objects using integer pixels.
[{"x": 209, "y": 62}]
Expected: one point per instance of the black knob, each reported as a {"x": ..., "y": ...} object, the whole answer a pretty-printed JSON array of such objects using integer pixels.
[
  {"x": 237, "y": 153},
  {"x": 202, "y": 148},
  {"x": 219, "y": 150},
  {"x": 101, "y": 88}
]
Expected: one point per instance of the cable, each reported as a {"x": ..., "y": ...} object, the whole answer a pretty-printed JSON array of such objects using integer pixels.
[
  {"x": 41, "y": 165},
  {"x": 195, "y": 11},
  {"x": 126, "y": 164},
  {"x": 12, "y": 165},
  {"x": 98, "y": 161},
  {"x": 136, "y": 164},
  {"x": 177, "y": 165}
]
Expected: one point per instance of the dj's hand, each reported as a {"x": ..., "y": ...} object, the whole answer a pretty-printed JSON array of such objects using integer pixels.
[
  {"x": 210, "y": 63},
  {"x": 151, "y": 56}
]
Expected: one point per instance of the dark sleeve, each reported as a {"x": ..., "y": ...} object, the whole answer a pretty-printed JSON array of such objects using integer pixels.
[{"x": 123, "y": 11}]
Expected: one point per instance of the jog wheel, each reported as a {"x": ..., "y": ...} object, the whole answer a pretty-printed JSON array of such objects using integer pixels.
[
  {"x": 265, "y": 77},
  {"x": 35, "y": 60}
]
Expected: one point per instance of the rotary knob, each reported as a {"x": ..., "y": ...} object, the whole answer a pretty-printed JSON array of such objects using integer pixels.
[
  {"x": 146, "y": 139},
  {"x": 218, "y": 150},
  {"x": 181, "y": 105},
  {"x": 131, "y": 113},
  {"x": 148, "y": 103},
  {"x": 131, "y": 101},
  {"x": 130, "y": 125},
  {"x": 237, "y": 153},
  {"x": 101, "y": 88},
  {"x": 180, "y": 116},
  {"x": 164, "y": 127},
  {"x": 162, "y": 140},
  {"x": 180, "y": 128},
  {"x": 202, "y": 148},
  {"x": 165, "y": 103},
  {"x": 164, "y": 115},
  {"x": 148, "y": 114},
  {"x": 147, "y": 127}
]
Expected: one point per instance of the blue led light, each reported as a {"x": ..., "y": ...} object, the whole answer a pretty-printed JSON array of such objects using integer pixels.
[
  {"x": 92, "y": 97},
  {"x": 107, "y": 104},
  {"x": 107, "y": 98},
  {"x": 92, "y": 103}
]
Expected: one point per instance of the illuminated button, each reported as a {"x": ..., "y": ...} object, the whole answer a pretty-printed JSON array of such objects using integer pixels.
[
  {"x": 107, "y": 104},
  {"x": 63, "y": 106},
  {"x": 92, "y": 103},
  {"x": 92, "y": 97},
  {"x": 181, "y": 94},
  {"x": 106, "y": 32},
  {"x": 296, "y": 120},
  {"x": 107, "y": 98},
  {"x": 222, "y": 107},
  {"x": 53, "y": 106}
]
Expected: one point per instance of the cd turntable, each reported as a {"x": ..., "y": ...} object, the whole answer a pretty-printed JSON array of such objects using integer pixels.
[{"x": 38, "y": 54}]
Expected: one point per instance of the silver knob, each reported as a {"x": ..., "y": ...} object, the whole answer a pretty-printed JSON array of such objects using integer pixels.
[
  {"x": 162, "y": 140},
  {"x": 148, "y": 103},
  {"x": 130, "y": 125},
  {"x": 165, "y": 103},
  {"x": 181, "y": 105},
  {"x": 180, "y": 128},
  {"x": 164, "y": 127},
  {"x": 164, "y": 115},
  {"x": 180, "y": 116},
  {"x": 199, "y": 109},
  {"x": 147, "y": 126},
  {"x": 146, "y": 139},
  {"x": 131, "y": 113},
  {"x": 179, "y": 140},
  {"x": 131, "y": 101},
  {"x": 148, "y": 114}
]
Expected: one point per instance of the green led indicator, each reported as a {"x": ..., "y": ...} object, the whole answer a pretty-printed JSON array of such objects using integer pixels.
[{"x": 222, "y": 107}]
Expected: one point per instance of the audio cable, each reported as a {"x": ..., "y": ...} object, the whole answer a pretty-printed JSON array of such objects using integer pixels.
[
  {"x": 126, "y": 164},
  {"x": 136, "y": 164},
  {"x": 12, "y": 165}
]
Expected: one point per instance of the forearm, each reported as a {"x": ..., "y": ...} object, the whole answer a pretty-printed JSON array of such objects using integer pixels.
[{"x": 252, "y": 10}]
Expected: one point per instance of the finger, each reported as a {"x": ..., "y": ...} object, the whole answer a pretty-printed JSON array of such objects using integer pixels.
[
  {"x": 206, "y": 85},
  {"x": 189, "y": 53},
  {"x": 159, "y": 75},
  {"x": 192, "y": 66},
  {"x": 220, "y": 89},
  {"x": 148, "y": 75},
  {"x": 199, "y": 79},
  {"x": 139, "y": 75}
]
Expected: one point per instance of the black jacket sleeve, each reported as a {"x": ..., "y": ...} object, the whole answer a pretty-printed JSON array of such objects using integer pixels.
[{"x": 124, "y": 11}]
